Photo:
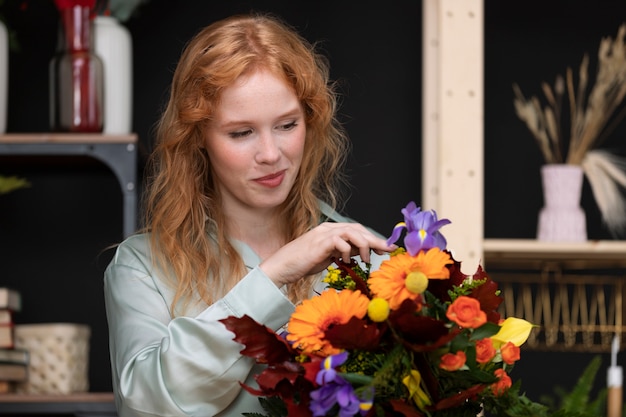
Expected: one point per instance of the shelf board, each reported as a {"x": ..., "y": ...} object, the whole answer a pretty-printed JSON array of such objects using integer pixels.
[
  {"x": 593, "y": 253},
  {"x": 85, "y": 402},
  {"x": 118, "y": 152},
  {"x": 80, "y": 397},
  {"x": 66, "y": 138},
  {"x": 593, "y": 249}
]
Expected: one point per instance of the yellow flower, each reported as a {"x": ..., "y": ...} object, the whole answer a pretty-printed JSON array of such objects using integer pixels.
[
  {"x": 314, "y": 316},
  {"x": 333, "y": 275},
  {"x": 413, "y": 382},
  {"x": 512, "y": 330},
  {"x": 390, "y": 280},
  {"x": 416, "y": 282},
  {"x": 366, "y": 405},
  {"x": 378, "y": 310},
  {"x": 398, "y": 251}
]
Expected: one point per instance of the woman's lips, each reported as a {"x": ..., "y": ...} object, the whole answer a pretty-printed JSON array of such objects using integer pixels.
[{"x": 272, "y": 180}]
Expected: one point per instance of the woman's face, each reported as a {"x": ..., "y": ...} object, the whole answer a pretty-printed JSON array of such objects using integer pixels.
[{"x": 255, "y": 142}]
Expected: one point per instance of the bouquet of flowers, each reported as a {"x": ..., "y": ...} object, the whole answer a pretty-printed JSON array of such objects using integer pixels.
[{"x": 414, "y": 338}]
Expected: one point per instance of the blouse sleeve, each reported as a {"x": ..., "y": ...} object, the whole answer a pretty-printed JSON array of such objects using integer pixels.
[{"x": 169, "y": 367}]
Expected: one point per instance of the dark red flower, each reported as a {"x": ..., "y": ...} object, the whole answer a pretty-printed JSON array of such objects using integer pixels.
[{"x": 355, "y": 334}]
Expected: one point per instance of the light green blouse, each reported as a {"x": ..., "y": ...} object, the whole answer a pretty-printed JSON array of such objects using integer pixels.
[{"x": 189, "y": 365}]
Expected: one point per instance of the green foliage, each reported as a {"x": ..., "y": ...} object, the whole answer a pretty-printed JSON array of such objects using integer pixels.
[
  {"x": 274, "y": 407},
  {"x": 577, "y": 402},
  {"x": 574, "y": 403},
  {"x": 8, "y": 184}
]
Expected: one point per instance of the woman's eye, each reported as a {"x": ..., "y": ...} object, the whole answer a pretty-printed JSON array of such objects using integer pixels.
[
  {"x": 288, "y": 126},
  {"x": 240, "y": 134}
]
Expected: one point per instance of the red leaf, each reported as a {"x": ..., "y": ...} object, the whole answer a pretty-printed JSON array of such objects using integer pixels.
[
  {"x": 405, "y": 409},
  {"x": 458, "y": 399},
  {"x": 312, "y": 368},
  {"x": 261, "y": 343},
  {"x": 298, "y": 410},
  {"x": 355, "y": 334},
  {"x": 283, "y": 383},
  {"x": 440, "y": 287},
  {"x": 456, "y": 275},
  {"x": 347, "y": 268},
  {"x": 486, "y": 294},
  {"x": 271, "y": 377},
  {"x": 416, "y": 329},
  {"x": 251, "y": 390}
]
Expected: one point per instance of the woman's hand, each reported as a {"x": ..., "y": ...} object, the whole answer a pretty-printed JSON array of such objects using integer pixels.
[{"x": 315, "y": 250}]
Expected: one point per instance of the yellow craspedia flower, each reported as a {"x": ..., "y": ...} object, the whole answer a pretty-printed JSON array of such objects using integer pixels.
[
  {"x": 378, "y": 309},
  {"x": 390, "y": 280},
  {"x": 416, "y": 282},
  {"x": 512, "y": 330}
]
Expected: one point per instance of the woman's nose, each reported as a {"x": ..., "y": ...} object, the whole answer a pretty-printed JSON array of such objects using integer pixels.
[{"x": 268, "y": 150}]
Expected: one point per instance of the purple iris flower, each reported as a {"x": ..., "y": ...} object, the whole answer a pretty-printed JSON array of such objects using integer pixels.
[
  {"x": 328, "y": 373},
  {"x": 422, "y": 230},
  {"x": 322, "y": 400},
  {"x": 338, "y": 392},
  {"x": 349, "y": 403}
]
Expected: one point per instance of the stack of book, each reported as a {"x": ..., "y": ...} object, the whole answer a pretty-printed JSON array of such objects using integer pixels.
[{"x": 13, "y": 361}]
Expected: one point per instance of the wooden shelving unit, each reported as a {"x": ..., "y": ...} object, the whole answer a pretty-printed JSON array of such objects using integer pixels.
[
  {"x": 593, "y": 253},
  {"x": 575, "y": 292},
  {"x": 95, "y": 404},
  {"x": 119, "y": 154}
]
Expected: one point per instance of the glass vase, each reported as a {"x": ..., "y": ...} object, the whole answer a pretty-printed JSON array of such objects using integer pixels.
[{"x": 76, "y": 76}]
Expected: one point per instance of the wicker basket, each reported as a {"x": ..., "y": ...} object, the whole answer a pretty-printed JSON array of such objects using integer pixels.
[{"x": 59, "y": 357}]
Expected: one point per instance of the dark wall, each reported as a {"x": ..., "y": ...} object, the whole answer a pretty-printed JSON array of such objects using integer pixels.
[
  {"x": 53, "y": 236},
  {"x": 529, "y": 43}
]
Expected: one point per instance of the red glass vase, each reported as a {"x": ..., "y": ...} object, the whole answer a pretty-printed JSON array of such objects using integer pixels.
[{"x": 76, "y": 75}]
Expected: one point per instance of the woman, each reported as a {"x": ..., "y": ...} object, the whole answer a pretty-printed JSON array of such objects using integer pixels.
[{"x": 247, "y": 148}]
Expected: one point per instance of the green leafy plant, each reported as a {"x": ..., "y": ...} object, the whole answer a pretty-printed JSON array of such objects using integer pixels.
[
  {"x": 12, "y": 183},
  {"x": 578, "y": 401}
]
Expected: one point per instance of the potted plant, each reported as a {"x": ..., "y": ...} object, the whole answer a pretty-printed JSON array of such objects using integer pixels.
[{"x": 593, "y": 114}]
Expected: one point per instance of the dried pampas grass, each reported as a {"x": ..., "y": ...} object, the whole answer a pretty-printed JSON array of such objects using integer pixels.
[
  {"x": 593, "y": 111},
  {"x": 606, "y": 175}
]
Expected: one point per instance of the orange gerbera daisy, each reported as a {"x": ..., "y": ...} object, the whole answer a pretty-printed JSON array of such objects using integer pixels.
[
  {"x": 390, "y": 280},
  {"x": 314, "y": 316}
]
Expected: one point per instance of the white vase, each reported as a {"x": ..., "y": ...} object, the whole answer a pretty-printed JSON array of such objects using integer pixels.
[
  {"x": 4, "y": 76},
  {"x": 113, "y": 44},
  {"x": 562, "y": 219}
]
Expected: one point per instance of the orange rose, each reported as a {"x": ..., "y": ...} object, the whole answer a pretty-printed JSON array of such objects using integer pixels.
[
  {"x": 465, "y": 311},
  {"x": 485, "y": 350},
  {"x": 452, "y": 362},
  {"x": 502, "y": 384},
  {"x": 510, "y": 353}
]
